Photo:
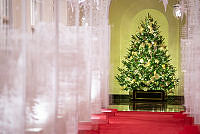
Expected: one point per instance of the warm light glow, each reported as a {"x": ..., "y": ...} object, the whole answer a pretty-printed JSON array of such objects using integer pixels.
[
  {"x": 80, "y": 1},
  {"x": 34, "y": 130},
  {"x": 177, "y": 11},
  {"x": 95, "y": 87},
  {"x": 40, "y": 112}
]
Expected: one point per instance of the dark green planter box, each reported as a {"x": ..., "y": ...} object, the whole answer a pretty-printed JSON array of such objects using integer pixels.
[{"x": 150, "y": 95}]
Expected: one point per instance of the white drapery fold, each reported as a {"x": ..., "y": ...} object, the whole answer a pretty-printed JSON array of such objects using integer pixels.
[
  {"x": 54, "y": 65},
  {"x": 190, "y": 58}
]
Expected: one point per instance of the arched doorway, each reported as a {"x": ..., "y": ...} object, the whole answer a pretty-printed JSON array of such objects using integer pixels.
[{"x": 125, "y": 17}]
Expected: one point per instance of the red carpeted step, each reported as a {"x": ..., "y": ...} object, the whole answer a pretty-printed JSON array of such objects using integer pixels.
[
  {"x": 144, "y": 123},
  {"x": 190, "y": 129},
  {"x": 87, "y": 128},
  {"x": 109, "y": 112},
  {"x": 148, "y": 123},
  {"x": 145, "y": 118},
  {"x": 99, "y": 118},
  {"x": 139, "y": 129},
  {"x": 180, "y": 115},
  {"x": 96, "y": 119},
  {"x": 187, "y": 120}
]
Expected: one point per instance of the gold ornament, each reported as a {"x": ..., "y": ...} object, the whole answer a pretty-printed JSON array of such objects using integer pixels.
[
  {"x": 123, "y": 87},
  {"x": 145, "y": 89},
  {"x": 149, "y": 45},
  {"x": 134, "y": 53},
  {"x": 151, "y": 30},
  {"x": 156, "y": 61},
  {"x": 162, "y": 45},
  {"x": 147, "y": 64},
  {"x": 157, "y": 76},
  {"x": 133, "y": 80},
  {"x": 154, "y": 72},
  {"x": 142, "y": 45},
  {"x": 141, "y": 29},
  {"x": 161, "y": 48},
  {"x": 148, "y": 82},
  {"x": 152, "y": 79},
  {"x": 149, "y": 27},
  {"x": 167, "y": 83},
  {"x": 163, "y": 66}
]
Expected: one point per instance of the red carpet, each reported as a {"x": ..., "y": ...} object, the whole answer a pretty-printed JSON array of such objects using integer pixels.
[{"x": 132, "y": 122}]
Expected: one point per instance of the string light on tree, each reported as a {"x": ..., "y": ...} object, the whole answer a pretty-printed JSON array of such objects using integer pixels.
[{"x": 147, "y": 65}]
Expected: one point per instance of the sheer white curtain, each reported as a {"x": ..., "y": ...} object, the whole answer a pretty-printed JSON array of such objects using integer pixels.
[
  {"x": 191, "y": 63},
  {"x": 54, "y": 64},
  {"x": 12, "y": 75}
]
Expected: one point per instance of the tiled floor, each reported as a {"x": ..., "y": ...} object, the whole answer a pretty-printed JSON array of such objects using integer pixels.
[{"x": 148, "y": 106}]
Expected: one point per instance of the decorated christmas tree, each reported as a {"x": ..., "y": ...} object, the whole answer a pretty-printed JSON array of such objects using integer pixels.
[{"x": 147, "y": 63}]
